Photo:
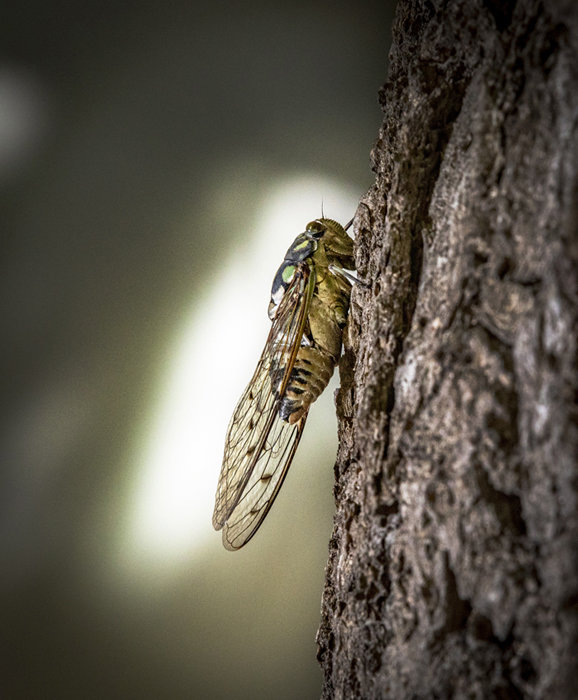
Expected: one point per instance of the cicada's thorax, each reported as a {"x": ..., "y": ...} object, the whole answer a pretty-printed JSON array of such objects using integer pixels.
[{"x": 324, "y": 243}]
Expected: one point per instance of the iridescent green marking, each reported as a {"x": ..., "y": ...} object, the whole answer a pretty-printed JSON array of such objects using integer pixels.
[{"x": 288, "y": 273}]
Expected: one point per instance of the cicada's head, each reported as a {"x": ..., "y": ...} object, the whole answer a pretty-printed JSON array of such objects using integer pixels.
[{"x": 338, "y": 245}]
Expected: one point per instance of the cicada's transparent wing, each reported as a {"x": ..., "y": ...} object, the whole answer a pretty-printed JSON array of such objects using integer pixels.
[
  {"x": 260, "y": 445},
  {"x": 264, "y": 483}
]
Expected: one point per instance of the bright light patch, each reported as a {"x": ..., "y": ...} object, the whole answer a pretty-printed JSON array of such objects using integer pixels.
[{"x": 213, "y": 361}]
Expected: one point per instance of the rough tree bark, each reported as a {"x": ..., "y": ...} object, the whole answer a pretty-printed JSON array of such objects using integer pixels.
[{"x": 453, "y": 563}]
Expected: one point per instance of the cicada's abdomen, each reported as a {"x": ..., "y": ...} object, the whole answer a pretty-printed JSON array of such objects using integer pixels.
[{"x": 310, "y": 375}]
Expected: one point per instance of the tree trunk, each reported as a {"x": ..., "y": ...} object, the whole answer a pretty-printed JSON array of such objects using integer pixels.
[{"x": 453, "y": 563}]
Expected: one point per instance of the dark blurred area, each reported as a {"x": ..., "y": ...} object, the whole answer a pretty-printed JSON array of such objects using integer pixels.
[{"x": 135, "y": 140}]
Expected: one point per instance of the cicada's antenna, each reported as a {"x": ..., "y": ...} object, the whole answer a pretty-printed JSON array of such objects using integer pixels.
[
  {"x": 322, "y": 214},
  {"x": 348, "y": 224}
]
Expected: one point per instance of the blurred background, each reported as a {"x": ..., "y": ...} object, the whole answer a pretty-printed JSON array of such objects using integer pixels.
[{"x": 156, "y": 161}]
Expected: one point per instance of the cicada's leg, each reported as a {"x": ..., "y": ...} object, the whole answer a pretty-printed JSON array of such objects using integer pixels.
[{"x": 344, "y": 274}]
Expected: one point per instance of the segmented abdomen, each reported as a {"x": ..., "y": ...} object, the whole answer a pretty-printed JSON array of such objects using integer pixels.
[{"x": 310, "y": 375}]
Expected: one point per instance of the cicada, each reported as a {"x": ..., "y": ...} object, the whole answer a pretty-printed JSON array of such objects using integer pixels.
[{"x": 308, "y": 309}]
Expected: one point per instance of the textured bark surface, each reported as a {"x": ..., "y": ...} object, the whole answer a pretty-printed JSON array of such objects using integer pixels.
[{"x": 453, "y": 563}]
